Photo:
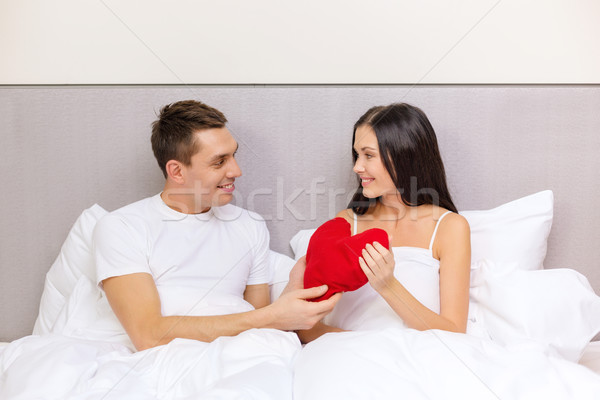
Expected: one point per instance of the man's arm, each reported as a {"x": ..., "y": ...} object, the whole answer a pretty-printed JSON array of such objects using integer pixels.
[{"x": 136, "y": 303}]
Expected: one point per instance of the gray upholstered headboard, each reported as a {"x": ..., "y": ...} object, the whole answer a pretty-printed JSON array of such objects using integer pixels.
[{"x": 66, "y": 148}]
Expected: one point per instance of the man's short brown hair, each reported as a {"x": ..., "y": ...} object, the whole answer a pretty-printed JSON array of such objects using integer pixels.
[{"x": 173, "y": 133}]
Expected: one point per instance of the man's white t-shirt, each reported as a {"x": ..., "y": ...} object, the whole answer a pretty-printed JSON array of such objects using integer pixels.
[{"x": 201, "y": 263}]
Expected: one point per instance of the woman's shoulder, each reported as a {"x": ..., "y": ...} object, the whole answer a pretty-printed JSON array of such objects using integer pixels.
[
  {"x": 347, "y": 214},
  {"x": 452, "y": 223}
]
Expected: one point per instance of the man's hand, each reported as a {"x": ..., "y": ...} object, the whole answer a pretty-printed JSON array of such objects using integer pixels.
[{"x": 292, "y": 311}]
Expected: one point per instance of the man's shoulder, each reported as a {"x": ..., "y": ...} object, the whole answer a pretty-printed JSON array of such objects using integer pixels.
[
  {"x": 133, "y": 215},
  {"x": 139, "y": 207}
]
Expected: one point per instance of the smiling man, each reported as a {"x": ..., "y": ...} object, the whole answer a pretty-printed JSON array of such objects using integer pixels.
[{"x": 185, "y": 263}]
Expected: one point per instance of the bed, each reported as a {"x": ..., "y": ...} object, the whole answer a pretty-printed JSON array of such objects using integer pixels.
[{"x": 525, "y": 205}]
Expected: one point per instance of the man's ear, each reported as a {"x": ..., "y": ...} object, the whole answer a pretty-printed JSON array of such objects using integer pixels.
[{"x": 175, "y": 171}]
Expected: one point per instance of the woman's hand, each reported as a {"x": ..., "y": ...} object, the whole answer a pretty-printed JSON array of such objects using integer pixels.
[{"x": 378, "y": 264}]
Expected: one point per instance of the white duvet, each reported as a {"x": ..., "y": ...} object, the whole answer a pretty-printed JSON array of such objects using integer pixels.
[
  {"x": 400, "y": 363},
  {"x": 527, "y": 330},
  {"x": 256, "y": 364},
  {"x": 87, "y": 355}
]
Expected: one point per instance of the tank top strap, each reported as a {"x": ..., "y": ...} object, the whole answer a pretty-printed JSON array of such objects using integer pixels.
[
  {"x": 436, "y": 228},
  {"x": 355, "y": 227}
]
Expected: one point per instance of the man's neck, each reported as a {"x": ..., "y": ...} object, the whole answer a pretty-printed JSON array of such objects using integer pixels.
[{"x": 181, "y": 200}]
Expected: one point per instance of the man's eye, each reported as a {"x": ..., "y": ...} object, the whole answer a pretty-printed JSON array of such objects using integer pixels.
[{"x": 219, "y": 163}]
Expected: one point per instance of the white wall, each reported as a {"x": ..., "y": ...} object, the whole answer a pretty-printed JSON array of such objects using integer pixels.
[{"x": 271, "y": 41}]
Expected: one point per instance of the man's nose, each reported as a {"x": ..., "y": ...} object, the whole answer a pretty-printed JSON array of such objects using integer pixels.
[{"x": 235, "y": 170}]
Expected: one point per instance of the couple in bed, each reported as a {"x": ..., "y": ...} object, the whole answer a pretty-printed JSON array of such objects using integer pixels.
[{"x": 187, "y": 264}]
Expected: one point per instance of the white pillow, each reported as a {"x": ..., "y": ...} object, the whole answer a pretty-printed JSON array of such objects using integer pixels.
[
  {"x": 280, "y": 266},
  {"x": 515, "y": 232},
  {"x": 299, "y": 242},
  {"x": 74, "y": 261},
  {"x": 555, "y": 307}
]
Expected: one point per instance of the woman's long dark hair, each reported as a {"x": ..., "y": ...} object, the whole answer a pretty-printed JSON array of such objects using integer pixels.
[{"x": 409, "y": 151}]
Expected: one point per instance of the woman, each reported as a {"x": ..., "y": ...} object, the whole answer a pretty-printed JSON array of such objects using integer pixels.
[
  {"x": 422, "y": 283},
  {"x": 402, "y": 190}
]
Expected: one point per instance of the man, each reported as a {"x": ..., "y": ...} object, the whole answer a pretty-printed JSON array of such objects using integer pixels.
[{"x": 185, "y": 263}]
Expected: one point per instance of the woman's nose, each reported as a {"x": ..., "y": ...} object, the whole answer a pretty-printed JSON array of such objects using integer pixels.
[{"x": 358, "y": 168}]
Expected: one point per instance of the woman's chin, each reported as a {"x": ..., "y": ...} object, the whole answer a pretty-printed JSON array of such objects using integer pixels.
[{"x": 369, "y": 194}]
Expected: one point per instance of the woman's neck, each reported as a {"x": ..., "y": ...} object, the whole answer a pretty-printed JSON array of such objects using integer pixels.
[{"x": 392, "y": 208}]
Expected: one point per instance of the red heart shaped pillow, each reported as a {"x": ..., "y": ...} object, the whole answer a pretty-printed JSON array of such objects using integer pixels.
[{"x": 332, "y": 257}]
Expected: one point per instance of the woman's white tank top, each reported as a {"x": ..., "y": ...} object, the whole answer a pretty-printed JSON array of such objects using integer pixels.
[{"x": 416, "y": 269}]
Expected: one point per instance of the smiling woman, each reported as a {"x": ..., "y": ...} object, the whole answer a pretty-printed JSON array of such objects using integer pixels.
[
  {"x": 398, "y": 144},
  {"x": 424, "y": 277},
  {"x": 421, "y": 282}
]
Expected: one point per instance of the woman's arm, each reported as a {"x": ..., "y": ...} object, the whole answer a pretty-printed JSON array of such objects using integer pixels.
[
  {"x": 257, "y": 295},
  {"x": 454, "y": 250},
  {"x": 319, "y": 329}
]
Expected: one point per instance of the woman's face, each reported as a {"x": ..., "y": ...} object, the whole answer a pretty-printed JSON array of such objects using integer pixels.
[{"x": 375, "y": 179}]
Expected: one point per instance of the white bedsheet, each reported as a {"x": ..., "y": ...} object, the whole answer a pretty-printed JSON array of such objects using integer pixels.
[
  {"x": 256, "y": 364},
  {"x": 408, "y": 364}
]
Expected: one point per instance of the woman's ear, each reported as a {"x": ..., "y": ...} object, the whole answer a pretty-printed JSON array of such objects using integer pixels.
[{"x": 174, "y": 170}]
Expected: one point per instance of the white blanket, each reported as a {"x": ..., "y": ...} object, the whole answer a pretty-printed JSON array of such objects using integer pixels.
[
  {"x": 527, "y": 330},
  {"x": 401, "y": 363},
  {"x": 256, "y": 364}
]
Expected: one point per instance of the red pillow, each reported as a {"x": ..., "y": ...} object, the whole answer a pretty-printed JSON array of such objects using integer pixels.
[{"x": 332, "y": 257}]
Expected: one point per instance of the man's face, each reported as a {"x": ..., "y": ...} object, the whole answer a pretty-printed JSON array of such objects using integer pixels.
[{"x": 213, "y": 169}]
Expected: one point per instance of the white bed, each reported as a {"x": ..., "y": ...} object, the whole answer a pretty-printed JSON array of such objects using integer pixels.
[{"x": 523, "y": 321}]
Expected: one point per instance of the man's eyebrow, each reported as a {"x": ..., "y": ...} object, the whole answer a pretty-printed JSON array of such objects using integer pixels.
[{"x": 219, "y": 156}]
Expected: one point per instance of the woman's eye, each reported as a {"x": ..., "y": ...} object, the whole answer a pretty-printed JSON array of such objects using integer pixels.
[{"x": 368, "y": 156}]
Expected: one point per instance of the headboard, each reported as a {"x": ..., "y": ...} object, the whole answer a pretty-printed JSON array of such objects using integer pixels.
[{"x": 65, "y": 148}]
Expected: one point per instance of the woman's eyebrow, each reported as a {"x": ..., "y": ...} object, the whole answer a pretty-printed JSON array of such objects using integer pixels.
[{"x": 367, "y": 148}]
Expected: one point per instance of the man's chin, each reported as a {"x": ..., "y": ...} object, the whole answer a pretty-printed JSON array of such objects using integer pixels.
[{"x": 222, "y": 199}]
